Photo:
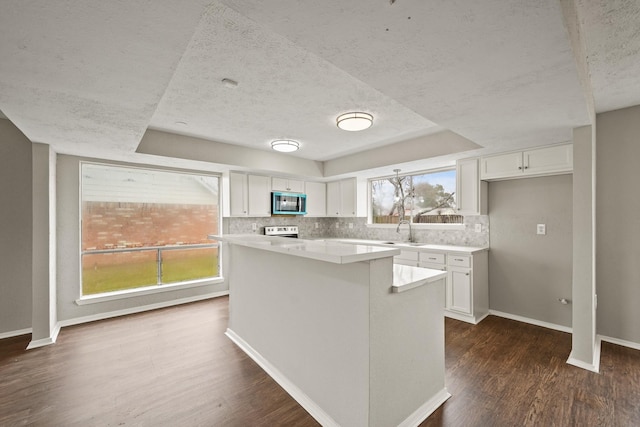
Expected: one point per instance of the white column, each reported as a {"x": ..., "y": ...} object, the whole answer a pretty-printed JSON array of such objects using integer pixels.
[
  {"x": 44, "y": 310},
  {"x": 585, "y": 351}
]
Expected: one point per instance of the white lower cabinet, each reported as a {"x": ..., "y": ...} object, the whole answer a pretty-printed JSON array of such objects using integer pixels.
[
  {"x": 459, "y": 290},
  {"x": 467, "y": 282}
]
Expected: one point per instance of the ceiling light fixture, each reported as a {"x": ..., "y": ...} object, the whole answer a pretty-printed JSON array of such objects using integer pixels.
[
  {"x": 354, "y": 121},
  {"x": 285, "y": 145}
]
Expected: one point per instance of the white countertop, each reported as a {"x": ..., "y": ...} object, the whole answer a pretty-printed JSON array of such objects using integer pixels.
[
  {"x": 322, "y": 250},
  {"x": 406, "y": 277},
  {"x": 413, "y": 246}
]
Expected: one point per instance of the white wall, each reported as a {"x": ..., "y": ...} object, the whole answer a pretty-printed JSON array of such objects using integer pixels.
[
  {"x": 15, "y": 235},
  {"x": 618, "y": 226}
]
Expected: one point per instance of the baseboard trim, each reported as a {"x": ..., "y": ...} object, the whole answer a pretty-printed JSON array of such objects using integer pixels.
[
  {"x": 618, "y": 341},
  {"x": 45, "y": 341},
  {"x": 298, "y": 395},
  {"x": 465, "y": 317},
  {"x": 140, "y": 309},
  {"x": 532, "y": 321},
  {"x": 428, "y": 408},
  {"x": 17, "y": 333},
  {"x": 595, "y": 367}
]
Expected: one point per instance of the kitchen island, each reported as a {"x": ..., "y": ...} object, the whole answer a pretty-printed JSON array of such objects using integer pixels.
[{"x": 354, "y": 339}]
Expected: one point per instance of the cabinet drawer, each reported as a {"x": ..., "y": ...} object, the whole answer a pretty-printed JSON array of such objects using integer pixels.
[
  {"x": 407, "y": 255},
  {"x": 460, "y": 260},
  {"x": 432, "y": 257}
]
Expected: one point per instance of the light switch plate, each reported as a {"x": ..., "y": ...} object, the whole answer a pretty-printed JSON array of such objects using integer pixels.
[
  {"x": 478, "y": 228},
  {"x": 541, "y": 229},
  {"x": 350, "y": 225}
]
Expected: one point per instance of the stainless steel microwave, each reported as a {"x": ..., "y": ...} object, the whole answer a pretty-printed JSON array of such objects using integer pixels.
[{"x": 288, "y": 203}]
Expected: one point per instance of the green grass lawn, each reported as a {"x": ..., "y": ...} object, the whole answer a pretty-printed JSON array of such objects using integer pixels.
[{"x": 177, "y": 267}]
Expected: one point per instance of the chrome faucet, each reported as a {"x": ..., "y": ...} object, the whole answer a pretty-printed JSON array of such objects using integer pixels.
[{"x": 404, "y": 221}]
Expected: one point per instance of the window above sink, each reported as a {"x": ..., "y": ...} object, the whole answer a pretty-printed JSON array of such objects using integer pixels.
[{"x": 426, "y": 197}]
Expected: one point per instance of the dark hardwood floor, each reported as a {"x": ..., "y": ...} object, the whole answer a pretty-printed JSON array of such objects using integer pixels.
[{"x": 174, "y": 367}]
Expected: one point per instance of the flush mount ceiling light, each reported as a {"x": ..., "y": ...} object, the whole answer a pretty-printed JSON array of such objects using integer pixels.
[
  {"x": 285, "y": 145},
  {"x": 354, "y": 121}
]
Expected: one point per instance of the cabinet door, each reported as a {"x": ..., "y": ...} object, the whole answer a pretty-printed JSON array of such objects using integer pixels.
[
  {"x": 467, "y": 187},
  {"x": 501, "y": 166},
  {"x": 259, "y": 195},
  {"x": 279, "y": 184},
  {"x": 285, "y": 184},
  {"x": 546, "y": 160},
  {"x": 459, "y": 290},
  {"x": 295, "y": 186},
  {"x": 238, "y": 194},
  {"x": 333, "y": 198},
  {"x": 348, "y": 197},
  {"x": 316, "y": 198}
]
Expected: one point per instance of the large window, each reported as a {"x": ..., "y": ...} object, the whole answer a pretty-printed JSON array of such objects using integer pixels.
[
  {"x": 427, "y": 197},
  {"x": 143, "y": 227}
]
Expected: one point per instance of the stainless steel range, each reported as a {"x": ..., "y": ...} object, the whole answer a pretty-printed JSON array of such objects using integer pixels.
[{"x": 282, "y": 231}]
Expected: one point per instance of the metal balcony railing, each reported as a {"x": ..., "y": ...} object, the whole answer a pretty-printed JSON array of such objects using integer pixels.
[{"x": 160, "y": 256}]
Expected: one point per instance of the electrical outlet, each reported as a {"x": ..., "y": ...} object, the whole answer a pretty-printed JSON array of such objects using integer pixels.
[
  {"x": 541, "y": 229},
  {"x": 350, "y": 225},
  {"x": 254, "y": 226},
  {"x": 478, "y": 228},
  {"x": 317, "y": 225},
  {"x": 337, "y": 225}
]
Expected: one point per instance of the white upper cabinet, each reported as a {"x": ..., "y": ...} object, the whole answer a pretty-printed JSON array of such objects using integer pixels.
[
  {"x": 556, "y": 159},
  {"x": 249, "y": 195},
  {"x": 471, "y": 194},
  {"x": 341, "y": 198},
  {"x": 259, "y": 195},
  {"x": 285, "y": 184},
  {"x": 316, "y": 198},
  {"x": 501, "y": 166},
  {"x": 239, "y": 195}
]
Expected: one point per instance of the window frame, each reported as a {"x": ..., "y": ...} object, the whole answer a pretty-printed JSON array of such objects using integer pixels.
[
  {"x": 155, "y": 288},
  {"x": 415, "y": 225}
]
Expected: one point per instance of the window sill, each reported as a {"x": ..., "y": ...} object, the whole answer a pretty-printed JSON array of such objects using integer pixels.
[
  {"x": 421, "y": 226},
  {"x": 155, "y": 289}
]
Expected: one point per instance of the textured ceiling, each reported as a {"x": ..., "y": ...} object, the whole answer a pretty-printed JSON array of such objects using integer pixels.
[
  {"x": 91, "y": 77},
  {"x": 283, "y": 91},
  {"x": 613, "y": 51}
]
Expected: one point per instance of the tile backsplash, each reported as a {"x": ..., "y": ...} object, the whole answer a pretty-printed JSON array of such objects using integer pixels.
[{"x": 313, "y": 228}]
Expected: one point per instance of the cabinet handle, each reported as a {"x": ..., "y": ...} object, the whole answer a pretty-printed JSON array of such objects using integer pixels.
[
  {"x": 526, "y": 167},
  {"x": 466, "y": 274},
  {"x": 433, "y": 258},
  {"x": 458, "y": 259},
  {"x": 520, "y": 167}
]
